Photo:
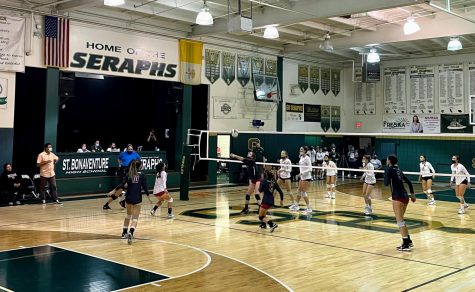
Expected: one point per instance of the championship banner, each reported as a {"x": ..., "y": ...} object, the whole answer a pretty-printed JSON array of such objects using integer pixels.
[
  {"x": 3, "y": 92},
  {"x": 325, "y": 82},
  {"x": 451, "y": 92},
  {"x": 12, "y": 44},
  {"x": 243, "y": 69},
  {"x": 228, "y": 67},
  {"x": 314, "y": 79},
  {"x": 224, "y": 107},
  {"x": 421, "y": 89},
  {"x": 303, "y": 77},
  {"x": 190, "y": 62},
  {"x": 212, "y": 65},
  {"x": 271, "y": 67},
  {"x": 335, "y": 118},
  {"x": 455, "y": 124},
  {"x": 258, "y": 69},
  {"x": 397, "y": 124},
  {"x": 294, "y": 112},
  {"x": 335, "y": 81},
  {"x": 312, "y": 113},
  {"x": 325, "y": 119}
]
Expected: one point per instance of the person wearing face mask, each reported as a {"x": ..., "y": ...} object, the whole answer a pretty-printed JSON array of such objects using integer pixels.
[
  {"x": 369, "y": 180},
  {"x": 97, "y": 147},
  {"x": 255, "y": 177},
  {"x": 83, "y": 149},
  {"x": 330, "y": 171},
  {"x": 395, "y": 178},
  {"x": 461, "y": 178},
  {"x": 305, "y": 176},
  {"x": 46, "y": 161},
  {"x": 284, "y": 176},
  {"x": 425, "y": 178}
]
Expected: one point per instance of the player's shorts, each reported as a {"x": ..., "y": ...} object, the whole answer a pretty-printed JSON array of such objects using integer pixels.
[
  {"x": 370, "y": 184},
  {"x": 319, "y": 162},
  {"x": 254, "y": 181},
  {"x": 426, "y": 178},
  {"x": 160, "y": 194},
  {"x": 404, "y": 200},
  {"x": 284, "y": 179},
  {"x": 464, "y": 182},
  {"x": 265, "y": 206}
]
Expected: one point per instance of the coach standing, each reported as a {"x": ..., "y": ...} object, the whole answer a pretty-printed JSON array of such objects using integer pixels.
[{"x": 46, "y": 161}]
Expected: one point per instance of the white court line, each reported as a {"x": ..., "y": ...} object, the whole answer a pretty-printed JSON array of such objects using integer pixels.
[
  {"x": 6, "y": 289},
  {"x": 23, "y": 247}
]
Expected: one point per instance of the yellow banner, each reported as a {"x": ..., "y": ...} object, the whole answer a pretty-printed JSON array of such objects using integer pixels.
[{"x": 191, "y": 53}]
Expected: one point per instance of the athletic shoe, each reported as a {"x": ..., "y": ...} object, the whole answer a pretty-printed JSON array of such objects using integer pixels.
[
  {"x": 10, "y": 203},
  {"x": 308, "y": 210},
  {"x": 262, "y": 225},
  {"x": 295, "y": 208},
  {"x": 170, "y": 216},
  {"x": 466, "y": 206},
  {"x": 327, "y": 195},
  {"x": 333, "y": 196},
  {"x": 349, "y": 176},
  {"x": 404, "y": 247},
  {"x": 431, "y": 202},
  {"x": 44, "y": 202},
  {"x": 368, "y": 210},
  {"x": 123, "y": 236},
  {"x": 57, "y": 202},
  {"x": 273, "y": 227},
  {"x": 152, "y": 212},
  {"x": 18, "y": 203},
  {"x": 129, "y": 238},
  {"x": 245, "y": 211},
  {"x": 122, "y": 203},
  {"x": 461, "y": 211},
  {"x": 106, "y": 207},
  {"x": 411, "y": 244}
]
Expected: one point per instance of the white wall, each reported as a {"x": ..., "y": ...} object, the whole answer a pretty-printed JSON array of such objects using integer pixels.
[{"x": 7, "y": 114}]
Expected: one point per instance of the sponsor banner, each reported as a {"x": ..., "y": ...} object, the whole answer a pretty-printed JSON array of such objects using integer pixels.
[
  {"x": 455, "y": 124},
  {"x": 335, "y": 118},
  {"x": 224, "y": 107},
  {"x": 314, "y": 79},
  {"x": 191, "y": 55},
  {"x": 335, "y": 81},
  {"x": 243, "y": 69},
  {"x": 397, "y": 124},
  {"x": 325, "y": 80},
  {"x": 212, "y": 65},
  {"x": 3, "y": 92},
  {"x": 294, "y": 112},
  {"x": 430, "y": 123},
  {"x": 325, "y": 119},
  {"x": 93, "y": 51},
  {"x": 303, "y": 77},
  {"x": 312, "y": 113},
  {"x": 228, "y": 67},
  {"x": 101, "y": 164},
  {"x": 12, "y": 44},
  {"x": 271, "y": 67}
]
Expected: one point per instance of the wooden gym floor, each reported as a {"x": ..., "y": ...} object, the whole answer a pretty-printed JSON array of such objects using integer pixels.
[{"x": 210, "y": 247}]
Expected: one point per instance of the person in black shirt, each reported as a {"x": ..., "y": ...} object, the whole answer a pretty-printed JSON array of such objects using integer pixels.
[
  {"x": 11, "y": 182},
  {"x": 255, "y": 177},
  {"x": 259, "y": 156},
  {"x": 135, "y": 180},
  {"x": 395, "y": 178},
  {"x": 267, "y": 188}
]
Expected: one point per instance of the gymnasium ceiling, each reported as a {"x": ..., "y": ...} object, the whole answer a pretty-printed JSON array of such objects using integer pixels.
[{"x": 302, "y": 24}]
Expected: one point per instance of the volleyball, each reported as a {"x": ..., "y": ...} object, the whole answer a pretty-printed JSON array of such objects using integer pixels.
[{"x": 234, "y": 133}]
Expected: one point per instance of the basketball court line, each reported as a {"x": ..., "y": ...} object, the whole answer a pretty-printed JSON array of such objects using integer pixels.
[
  {"x": 439, "y": 278},
  {"x": 5, "y": 289}
]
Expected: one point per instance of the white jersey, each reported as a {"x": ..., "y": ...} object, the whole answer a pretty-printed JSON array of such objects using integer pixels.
[
  {"x": 160, "y": 183},
  {"x": 312, "y": 154},
  {"x": 305, "y": 167},
  {"x": 426, "y": 169},
  {"x": 320, "y": 156},
  {"x": 285, "y": 168},
  {"x": 459, "y": 169},
  {"x": 331, "y": 168},
  {"x": 368, "y": 175}
]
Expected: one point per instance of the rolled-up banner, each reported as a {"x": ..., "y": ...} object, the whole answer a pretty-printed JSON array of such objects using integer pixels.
[{"x": 191, "y": 53}]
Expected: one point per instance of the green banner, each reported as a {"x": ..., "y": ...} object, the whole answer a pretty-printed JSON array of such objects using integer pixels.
[
  {"x": 101, "y": 164},
  {"x": 335, "y": 118},
  {"x": 258, "y": 69},
  {"x": 303, "y": 77},
  {"x": 314, "y": 79},
  {"x": 325, "y": 82},
  {"x": 271, "y": 67},
  {"x": 243, "y": 69},
  {"x": 325, "y": 118},
  {"x": 455, "y": 124},
  {"x": 335, "y": 81},
  {"x": 212, "y": 65},
  {"x": 228, "y": 68}
]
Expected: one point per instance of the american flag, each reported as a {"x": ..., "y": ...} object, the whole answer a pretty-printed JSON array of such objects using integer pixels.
[{"x": 56, "y": 41}]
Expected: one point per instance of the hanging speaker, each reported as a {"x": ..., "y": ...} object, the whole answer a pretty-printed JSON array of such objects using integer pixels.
[{"x": 66, "y": 84}]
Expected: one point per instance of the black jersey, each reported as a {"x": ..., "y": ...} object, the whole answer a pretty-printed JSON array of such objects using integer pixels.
[
  {"x": 135, "y": 185},
  {"x": 253, "y": 171},
  {"x": 394, "y": 177},
  {"x": 267, "y": 187}
]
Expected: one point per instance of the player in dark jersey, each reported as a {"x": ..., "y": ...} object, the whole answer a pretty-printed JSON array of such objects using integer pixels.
[
  {"x": 267, "y": 188},
  {"x": 395, "y": 178},
  {"x": 135, "y": 180},
  {"x": 255, "y": 177}
]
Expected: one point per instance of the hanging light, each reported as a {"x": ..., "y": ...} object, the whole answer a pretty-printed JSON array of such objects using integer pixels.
[
  {"x": 114, "y": 2},
  {"x": 326, "y": 44},
  {"x": 411, "y": 26},
  {"x": 373, "y": 56},
  {"x": 454, "y": 44},
  {"x": 204, "y": 17},
  {"x": 271, "y": 32}
]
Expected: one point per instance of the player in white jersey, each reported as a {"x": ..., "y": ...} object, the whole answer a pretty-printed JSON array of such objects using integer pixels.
[
  {"x": 320, "y": 156},
  {"x": 160, "y": 191},
  {"x": 369, "y": 180},
  {"x": 284, "y": 176},
  {"x": 305, "y": 175},
  {"x": 425, "y": 178},
  {"x": 313, "y": 158},
  {"x": 330, "y": 170},
  {"x": 462, "y": 180}
]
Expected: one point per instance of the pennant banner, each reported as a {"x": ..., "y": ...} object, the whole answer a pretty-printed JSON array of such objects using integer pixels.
[
  {"x": 212, "y": 65},
  {"x": 314, "y": 79},
  {"x": 335, "y": 118},
  {"x": 271, "y": 67},
  {"x": 335, "y": 81},
  {"x": 12, "y": 44},
  {"x": 303, "y": 77},
  {"x": 228, "y": 67},
  {"x": 243, "y": 69},
  {"x": 258, "y": 70},
  {"x": 325, "y": 81},
  {"x": 325, "y": 119},
  {"x": 190, "y": 62}
]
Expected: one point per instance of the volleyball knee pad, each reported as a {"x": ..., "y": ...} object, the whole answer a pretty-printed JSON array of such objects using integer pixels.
[
  {"x": 401, "y": 224},
  {"x": 304, "y": 194},
  {"x": 332, "y": 186},
  {"x": 261, "y": 218},
  {"x": 425, "y": 192},
  {"x": 171, "y": 200},
  {"x": 329, "y": 186},
  {"x": 429, "y": 191}
]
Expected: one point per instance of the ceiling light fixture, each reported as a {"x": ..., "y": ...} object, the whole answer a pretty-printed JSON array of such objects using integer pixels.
[
  {"x": 326, "y": 44},
  {"x": 204, "y": 17},
  {"x": 114, "y": 2},
  {"x": 411, "y": 26},
  {"x": 271, "y": 32},
  {"x": 454, "y": 44},
  {"x": 373, "y": 56}
]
